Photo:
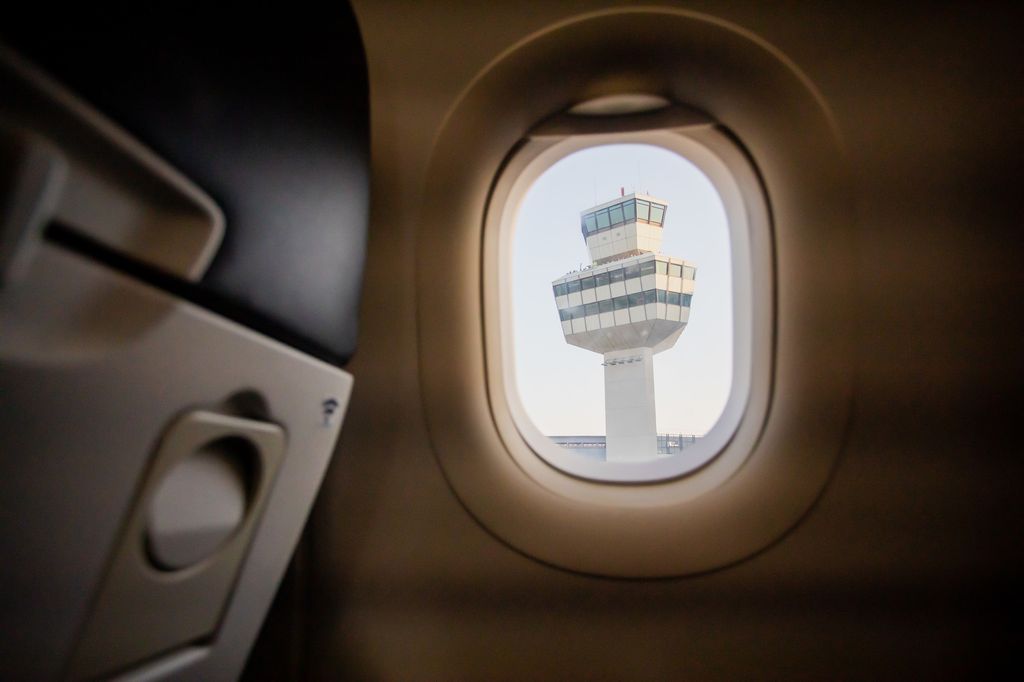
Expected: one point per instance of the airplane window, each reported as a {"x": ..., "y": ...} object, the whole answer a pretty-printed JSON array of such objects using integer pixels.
[{"x": 652, "y": 377}]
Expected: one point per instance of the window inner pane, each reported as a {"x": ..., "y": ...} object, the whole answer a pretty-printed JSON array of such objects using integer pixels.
[{"x": 562, "y": 370}]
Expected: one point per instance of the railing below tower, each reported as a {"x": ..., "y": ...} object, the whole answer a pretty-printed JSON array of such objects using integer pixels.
[{"x": 594, "y": 446}]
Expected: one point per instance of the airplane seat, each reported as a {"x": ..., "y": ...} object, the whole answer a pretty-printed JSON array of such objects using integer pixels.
[{"x": 184, "y": 199}]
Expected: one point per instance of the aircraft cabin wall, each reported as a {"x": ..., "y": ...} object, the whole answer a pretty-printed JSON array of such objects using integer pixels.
[{"x": 906, "y": 565}]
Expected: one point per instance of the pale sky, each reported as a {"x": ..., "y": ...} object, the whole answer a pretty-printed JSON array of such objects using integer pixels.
[{"x": 562, "y": 386}]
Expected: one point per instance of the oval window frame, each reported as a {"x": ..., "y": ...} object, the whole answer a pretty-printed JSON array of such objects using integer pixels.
[{"x": 756, "y": 94}]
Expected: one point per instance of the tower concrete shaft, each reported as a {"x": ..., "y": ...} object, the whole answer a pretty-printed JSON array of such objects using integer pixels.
[{"x": 630, "y": 425}]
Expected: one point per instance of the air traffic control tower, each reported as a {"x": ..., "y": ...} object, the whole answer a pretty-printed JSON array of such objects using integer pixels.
[{"x": 629, "y": 304}]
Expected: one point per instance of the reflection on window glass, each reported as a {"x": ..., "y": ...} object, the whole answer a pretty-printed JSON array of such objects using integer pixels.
[
  {"x": 629, "y": 209},
  {"x": 632, "y": 271},
  {"x": 636, "y": 299},
  {"x": 601, "y": 279},
  {"x": 561, "y": 290},
  {"x": 587, "y": 283},
  {"x": 617, "y": 275},
  {"x": 573, "y": 286},
  {"x": 605, "y": 306},
  {"x": 675, "y": 270},
  {"x": 662, "y": 267},
  {"x": 689, "y": 272},
  {"x": 591, "y": 309},
  {"x": 647, "y": 268},
  {"x": 673, "y": 298},
  {"x": 602, "y": 219},
  {"x": 661, "y": 295},
  {"x": 643, "y": 210},
  {"x": 686, "y": 299}
]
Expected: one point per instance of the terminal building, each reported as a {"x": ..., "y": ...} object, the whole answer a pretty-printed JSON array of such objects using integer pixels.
[{"x": 629, "y": 304}]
